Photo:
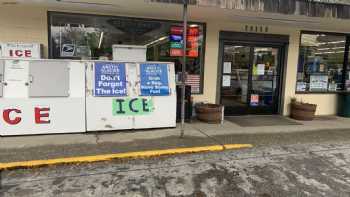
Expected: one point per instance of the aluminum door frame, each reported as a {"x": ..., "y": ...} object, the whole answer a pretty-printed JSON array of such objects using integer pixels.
[
  {"x": 282, "y": 49},
  {"x": 2, "y": 67}
]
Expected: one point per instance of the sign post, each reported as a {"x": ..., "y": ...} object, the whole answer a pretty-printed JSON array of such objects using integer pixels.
[{"x": 183, "y": 78}]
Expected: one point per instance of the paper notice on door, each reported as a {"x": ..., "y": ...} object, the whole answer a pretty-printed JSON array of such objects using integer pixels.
[
  {"x": 260, "y": 69},
  {"x": 16, "y": 77},
  {"x": 226, "y": 81},
  {"x": 227, "y": 68}
]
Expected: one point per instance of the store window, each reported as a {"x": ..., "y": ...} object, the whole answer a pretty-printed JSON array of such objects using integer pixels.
[
  {"x": 321, "y": 62},
  {"x": 80, "y": 36}
]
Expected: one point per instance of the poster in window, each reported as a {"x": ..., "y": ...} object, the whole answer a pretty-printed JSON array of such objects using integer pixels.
[
  {"x": 83, "y": 51},
  {"x": 110, "y": 79},
  {"x": 192, "y": 42},
  {"x": 226, "y": 81},
  {"x": 175, "y": 52},
  {"x": 176, "y": 30},
  {"x": 300, "y": 76},
  {"x": 227, "y": 67},
  {"x": 176, "y": 45},
  {"x": 175, "y": 38},
  {"x": 68, "y": 50},
  {"x": 254, "y": 100},
  {"x": 260, "y": 69},
  {"x": 318, "y": 82},
  {"x": 194, "y": 81},
  {"x": 154, "y": 79},
  {"x": 177, "y": 41},
  {"x": 301, "y": 86}
]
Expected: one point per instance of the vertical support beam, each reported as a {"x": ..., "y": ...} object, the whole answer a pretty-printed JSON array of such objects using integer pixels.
[
  {"x": 183, "y": 72},
  {"x": 345, "y": 63}
]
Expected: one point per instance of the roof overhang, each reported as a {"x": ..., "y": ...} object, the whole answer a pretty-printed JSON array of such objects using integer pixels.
[{"x": 310, "y": 8}]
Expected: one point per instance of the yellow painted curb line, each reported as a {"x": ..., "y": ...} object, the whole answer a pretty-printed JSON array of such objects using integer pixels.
[{"x": 129, "y": 155}]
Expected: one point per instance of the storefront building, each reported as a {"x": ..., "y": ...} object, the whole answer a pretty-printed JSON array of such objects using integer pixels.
[{"x": 252, "y": 57}]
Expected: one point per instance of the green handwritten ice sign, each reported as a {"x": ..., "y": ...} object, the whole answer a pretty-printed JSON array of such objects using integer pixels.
[{"x": 132, "y": 106}]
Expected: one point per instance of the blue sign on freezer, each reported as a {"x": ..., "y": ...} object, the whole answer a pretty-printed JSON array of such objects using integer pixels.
[
  {"x": 110, "y": 79},
  {"x": 154, "y": 79}
]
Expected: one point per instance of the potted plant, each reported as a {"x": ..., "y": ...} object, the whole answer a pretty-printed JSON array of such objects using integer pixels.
[
  {"x": 302, "y": 111},
  {"x": 210, "y": 113}
]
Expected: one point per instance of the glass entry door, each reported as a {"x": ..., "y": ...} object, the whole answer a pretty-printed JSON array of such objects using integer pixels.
[{"x": 250, "y": 79}]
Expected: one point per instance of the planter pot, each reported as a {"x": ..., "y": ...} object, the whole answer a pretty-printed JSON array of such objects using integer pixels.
[
  {"x": 210, "y": 113},
  {"x": 303, "y": 111}
]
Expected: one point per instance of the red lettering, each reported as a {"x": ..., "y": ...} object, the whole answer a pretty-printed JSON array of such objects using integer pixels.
[
  {"x": 11, "y": 53},
  {"x": 28, "y": 53},
  {"x": 18, "y": 53},
  {"x": 40, "y": 113},
  {"x": 6, "y": 116}
]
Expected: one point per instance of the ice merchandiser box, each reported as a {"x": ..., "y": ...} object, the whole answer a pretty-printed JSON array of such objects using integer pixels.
[
  {"x": 65, "y": 96},
  {"x": 41, "y": 97},
  {"x": 130, "y": 95}
]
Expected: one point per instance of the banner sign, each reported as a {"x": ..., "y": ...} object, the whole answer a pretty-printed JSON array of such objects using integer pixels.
[
  {"x": 132, "y": 106},
  {"x": 110, "y": 79},
  {"x": 20, "y": 50},
  {"x": 154, "y": 80}
]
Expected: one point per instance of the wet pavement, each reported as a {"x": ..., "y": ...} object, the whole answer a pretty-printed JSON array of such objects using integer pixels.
[
  {"x": 255, "y": 130},
  {"x": 303, "y": 164}
]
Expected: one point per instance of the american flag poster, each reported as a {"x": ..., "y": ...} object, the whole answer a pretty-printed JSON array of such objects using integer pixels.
[{"x": 194, "y": 82}]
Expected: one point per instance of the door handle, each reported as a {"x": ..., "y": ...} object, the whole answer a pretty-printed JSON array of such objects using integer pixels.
[{"x": 1, "y": 75}]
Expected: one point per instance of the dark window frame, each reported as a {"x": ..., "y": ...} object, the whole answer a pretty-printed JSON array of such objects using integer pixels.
[
  {"x": 202, "y": 53},
  {"x": 345, "y": 61}
]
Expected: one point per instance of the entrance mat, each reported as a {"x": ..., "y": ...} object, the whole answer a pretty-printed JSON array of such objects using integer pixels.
[{"x": 262, "y": 120}]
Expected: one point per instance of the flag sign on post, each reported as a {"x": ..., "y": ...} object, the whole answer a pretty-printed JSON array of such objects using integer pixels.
[
  {"x": 154, "y": 80},
  {"x": 110, "y": 79}
]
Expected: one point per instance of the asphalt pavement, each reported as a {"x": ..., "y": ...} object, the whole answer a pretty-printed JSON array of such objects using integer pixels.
[{"x": 313, "y": 163}]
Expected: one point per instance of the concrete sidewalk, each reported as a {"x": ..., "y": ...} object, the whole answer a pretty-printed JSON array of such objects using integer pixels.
[{"x": 23, "y": 148}]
